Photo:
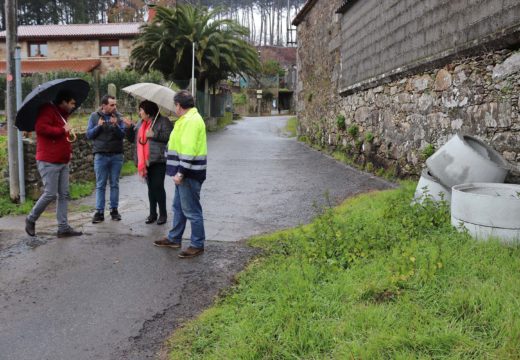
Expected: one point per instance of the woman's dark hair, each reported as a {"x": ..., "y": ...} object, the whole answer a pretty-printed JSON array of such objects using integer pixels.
[
  {"x": 184, "y": 99},
  {"x": 149, "y": 108},
  {"x": 63, "y": 95}
]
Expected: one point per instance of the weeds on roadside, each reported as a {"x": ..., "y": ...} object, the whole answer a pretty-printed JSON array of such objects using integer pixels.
[
  {"x": 374, "y": 278},
  {"x": 9, "y": 208}
]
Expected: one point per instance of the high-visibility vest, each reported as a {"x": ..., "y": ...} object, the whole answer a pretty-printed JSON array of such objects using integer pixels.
[{"x": 187, "y": 149}]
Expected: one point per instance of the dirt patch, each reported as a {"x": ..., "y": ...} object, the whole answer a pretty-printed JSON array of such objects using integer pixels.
[{"x": 197, "y": 294}]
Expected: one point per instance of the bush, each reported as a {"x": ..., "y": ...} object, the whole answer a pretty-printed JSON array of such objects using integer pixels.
[
  {"x": 120, "y": 78},
  {"x": 427, "y": 151},
  {"x": 369, "y": 137},
  {"x": 340, "y": 121},
  {"x": 353, "y": 131},
  {"x": 239, "y": 98}
]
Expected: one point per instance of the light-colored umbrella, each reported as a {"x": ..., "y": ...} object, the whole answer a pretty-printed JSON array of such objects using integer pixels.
[{"x": 161, "y": 95}]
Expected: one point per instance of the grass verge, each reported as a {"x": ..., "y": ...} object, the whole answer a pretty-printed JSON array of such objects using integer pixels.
[
  {"x": 128, "y": 168},
  {"x": 9, "y": 208},
  {"x": 372, "y": 279},
  {"x": 225, "y": 120},
  {"x": 290, "y": 128}
]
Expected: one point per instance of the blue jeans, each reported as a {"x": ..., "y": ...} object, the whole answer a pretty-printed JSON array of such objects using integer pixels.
[
  {"x": 186, "y": 206},
  {"x": 105, "y": 166}
]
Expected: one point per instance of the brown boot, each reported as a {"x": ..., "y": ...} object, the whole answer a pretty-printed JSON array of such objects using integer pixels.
[
  {"x": 191, "y": 252},
  {"x": 165, "y": 242}
]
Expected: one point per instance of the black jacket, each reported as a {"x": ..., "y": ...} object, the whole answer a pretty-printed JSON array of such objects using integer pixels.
[
  {"x": 161, "y": 130},
  {"x": 106, "y": 138}
]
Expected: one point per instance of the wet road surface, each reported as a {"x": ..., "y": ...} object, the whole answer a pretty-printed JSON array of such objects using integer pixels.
[{"x": 110, "y": 294}]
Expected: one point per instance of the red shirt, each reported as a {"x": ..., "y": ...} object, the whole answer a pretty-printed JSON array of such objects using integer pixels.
[{"x": 51, "y": 138}]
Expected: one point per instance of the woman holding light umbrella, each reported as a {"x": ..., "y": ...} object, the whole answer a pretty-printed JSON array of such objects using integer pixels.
[{"x": 151, "y": 136}]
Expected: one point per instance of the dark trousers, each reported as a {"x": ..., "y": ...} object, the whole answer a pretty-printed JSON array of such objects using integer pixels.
[{"x": 156, "y": 192}]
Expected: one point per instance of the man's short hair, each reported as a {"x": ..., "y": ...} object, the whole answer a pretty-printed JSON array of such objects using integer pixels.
[
  {"x": 105, "y": 98},
  {"x": 63, "y": 95},
  {"x": 149, "y": 107},
  {"x": 184, "y": 99}
]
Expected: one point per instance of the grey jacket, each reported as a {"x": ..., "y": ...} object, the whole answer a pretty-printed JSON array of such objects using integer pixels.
[{"x": 161, "y": 130}]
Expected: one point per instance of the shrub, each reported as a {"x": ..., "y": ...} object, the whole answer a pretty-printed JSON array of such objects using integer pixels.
[
  {"x": 340, "y": 120},
  {"x": 369, "y": 137},
  {"x": 353, "y": 131},
  {"x": 239, "y": 98},
  {"x": 427, "y": 151}
]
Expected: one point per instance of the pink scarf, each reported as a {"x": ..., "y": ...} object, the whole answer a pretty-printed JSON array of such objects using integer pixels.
[{"x": 143, "y": 148}]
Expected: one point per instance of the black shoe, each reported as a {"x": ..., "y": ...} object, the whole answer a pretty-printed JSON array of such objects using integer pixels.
[
  {"x": 68, "y": 233},
  {"x": 30, "y": 227},
  {"x": 98, "y": 217},
  {"x": 162, "y": 220},
  {"x": 115, "y": 215},
  {"x": 150, "y": 219}
]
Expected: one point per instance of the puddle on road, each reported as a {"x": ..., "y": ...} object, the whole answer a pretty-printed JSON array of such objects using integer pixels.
[{"x": 26, "y": 244}]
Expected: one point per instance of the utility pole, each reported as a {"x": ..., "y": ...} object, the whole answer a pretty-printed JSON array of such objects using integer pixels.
[
  {"x": 288, "y": 22},
  {"x": 12, "y": 136},
  {"x": 193, "y": 69}
]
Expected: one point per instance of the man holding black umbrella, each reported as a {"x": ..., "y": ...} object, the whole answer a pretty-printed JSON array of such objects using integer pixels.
[{"x": 53, "y": 153}]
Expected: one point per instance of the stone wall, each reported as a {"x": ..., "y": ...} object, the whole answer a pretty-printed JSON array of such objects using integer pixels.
[
  {"x": 80, "y": 49},
  {"x": 81, "y": 165},
  {"x": 397, "y": 121}
]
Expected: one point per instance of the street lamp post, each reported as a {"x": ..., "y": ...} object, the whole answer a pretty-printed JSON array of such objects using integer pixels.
[{"x": 193, "y": 45}]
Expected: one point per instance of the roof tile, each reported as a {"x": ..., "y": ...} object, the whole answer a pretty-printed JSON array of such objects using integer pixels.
[
  {"x": 77, "y": 31},
  {"x": 41, "y": 66}
]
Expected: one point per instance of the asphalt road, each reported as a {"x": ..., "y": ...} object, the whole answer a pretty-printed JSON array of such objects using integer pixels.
[{"x": 110, "y": 294}]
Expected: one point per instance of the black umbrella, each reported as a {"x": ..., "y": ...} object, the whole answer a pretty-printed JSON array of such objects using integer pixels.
[{"x": 45, "y": 93}]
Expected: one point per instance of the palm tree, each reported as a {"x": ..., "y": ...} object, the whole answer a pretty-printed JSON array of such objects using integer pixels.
[{"x": 165, "y": 44}]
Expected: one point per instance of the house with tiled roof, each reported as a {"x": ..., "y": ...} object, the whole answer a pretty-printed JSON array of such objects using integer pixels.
[{"x": 73, "y": 47}]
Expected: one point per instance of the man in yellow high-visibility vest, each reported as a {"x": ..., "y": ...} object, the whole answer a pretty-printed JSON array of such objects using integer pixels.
[{"x": 186, "y": 162}]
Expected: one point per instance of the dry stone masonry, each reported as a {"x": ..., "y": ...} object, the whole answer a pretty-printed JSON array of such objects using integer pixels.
[
  {"x": 394, "y": 125},
  {"x": 81, "y": 165}
]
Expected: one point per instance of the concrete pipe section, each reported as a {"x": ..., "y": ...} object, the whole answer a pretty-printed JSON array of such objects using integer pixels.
[
  {"x": 465, "y": 159},
  {"x": 487, "y": 210},
  {"x": 429, "y": 185}
]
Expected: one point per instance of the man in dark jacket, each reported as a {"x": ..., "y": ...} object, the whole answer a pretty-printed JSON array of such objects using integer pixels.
[
  {"x": 53, "y": 153},
  {"x": 106, "y": 129}
]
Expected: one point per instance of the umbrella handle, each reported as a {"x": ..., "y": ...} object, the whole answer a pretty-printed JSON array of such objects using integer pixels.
[
  {"x": 73, "y": 134},
  {"x": 71, "y": 137}
]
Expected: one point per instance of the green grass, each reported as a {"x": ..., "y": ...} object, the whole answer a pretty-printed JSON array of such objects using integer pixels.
[
  {"x": 291, "y": 126},
  {"x": 9, "y": 208},
  {"x": 3, "y": 153},
  {"x": 79, "y": 121},
  {"x": 128, "y": 168},
  {"x": 224, "y": 121},
  {"x": 372, "y": 279},
  {"x": 80, "y": 189}
]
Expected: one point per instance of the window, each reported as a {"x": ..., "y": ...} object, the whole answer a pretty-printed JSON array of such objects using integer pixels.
[
  {"x": 38, "y": 49},
  {"x": 109, "y": 47}
]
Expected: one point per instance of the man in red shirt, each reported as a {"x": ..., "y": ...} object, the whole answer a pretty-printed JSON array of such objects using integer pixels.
[{"x": 53, "y": 152}]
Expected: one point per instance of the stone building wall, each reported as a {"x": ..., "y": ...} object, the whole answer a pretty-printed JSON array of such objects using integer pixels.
[
  {"x": 81, "y": 49},
  {"x": 386, "y": 38},
  {"x": 397, "y": 121},
  {"x": 81, "y": 165}
]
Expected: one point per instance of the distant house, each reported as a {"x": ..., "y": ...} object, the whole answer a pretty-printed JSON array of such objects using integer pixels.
[{"x": 73, "y": 47}]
